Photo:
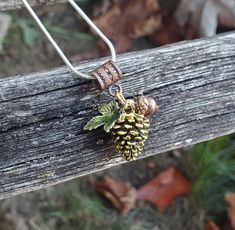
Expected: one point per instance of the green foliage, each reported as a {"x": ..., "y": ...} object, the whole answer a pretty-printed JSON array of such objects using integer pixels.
[
  {"x": 30, "y": 31},
  {"x": 12, "y": 33},
  {"x": 109, "y": 115},
  {"x": 213, "y": 165},
  {"x": 65, "y": 33}
]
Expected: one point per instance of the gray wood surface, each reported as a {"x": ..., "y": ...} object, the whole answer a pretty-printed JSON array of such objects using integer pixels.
[
  {"x": 17, "y": 4},
  {"x": 42, "y": 115}
]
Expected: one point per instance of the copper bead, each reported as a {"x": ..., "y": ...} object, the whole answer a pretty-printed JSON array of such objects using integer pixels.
[
  {"x": 145, "y": 105},
  {"x": 106, "y": 75}
]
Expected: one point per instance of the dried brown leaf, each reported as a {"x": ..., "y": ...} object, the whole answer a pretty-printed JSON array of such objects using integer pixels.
[
  {"x": 121, "y": 194},
  {"x": 126, "y": 20},
  {"x": 230, "y": 199},
  {"x": 210, "y": 225},
  {"x": 225, "y": 20},
  {"x": 164, "y": 188},
  {"x": 171, "y": 32}
]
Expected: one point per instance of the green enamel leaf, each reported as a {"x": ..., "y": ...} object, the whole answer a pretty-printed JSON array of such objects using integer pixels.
[
  {"x": 108, "y": 125},
  {"x": 111, "y": 121},
  {"x": 108, "y": 109},
  {"x": 108, "y": 118},
  {"x": 95, "y": 122}
]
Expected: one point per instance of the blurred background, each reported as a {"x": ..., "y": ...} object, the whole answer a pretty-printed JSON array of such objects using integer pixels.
[{"x": 194, "y": 187}]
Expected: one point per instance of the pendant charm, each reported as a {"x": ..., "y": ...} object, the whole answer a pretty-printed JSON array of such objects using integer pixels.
[
  {"x": 130, "y": 132},
  {"x": 127, "y": 122}
]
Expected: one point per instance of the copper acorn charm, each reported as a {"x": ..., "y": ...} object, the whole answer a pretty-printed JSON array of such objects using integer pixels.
[{"x": 145, "y": 105}]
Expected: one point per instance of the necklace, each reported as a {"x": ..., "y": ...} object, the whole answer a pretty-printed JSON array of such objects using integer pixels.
[{"x": 126, "y": 119}]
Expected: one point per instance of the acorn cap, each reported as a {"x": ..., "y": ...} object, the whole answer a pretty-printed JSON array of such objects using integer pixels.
[{"x": 145, "y": 105}]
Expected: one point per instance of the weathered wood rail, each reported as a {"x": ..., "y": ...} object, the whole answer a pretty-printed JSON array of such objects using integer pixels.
[
  {"x": 17, "y": 4},
  {"x": 42, "y": 115}
]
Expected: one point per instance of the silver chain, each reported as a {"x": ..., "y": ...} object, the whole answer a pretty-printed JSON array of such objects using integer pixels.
[{"x": 57, "y": 48}]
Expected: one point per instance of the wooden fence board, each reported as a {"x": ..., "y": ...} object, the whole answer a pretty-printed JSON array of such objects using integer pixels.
[{"x": 42, "y": 115}]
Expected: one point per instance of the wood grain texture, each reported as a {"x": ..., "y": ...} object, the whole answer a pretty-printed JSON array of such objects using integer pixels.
[
  {"x": 17, "y": 4},
  {"x": 42, "y": 115}
]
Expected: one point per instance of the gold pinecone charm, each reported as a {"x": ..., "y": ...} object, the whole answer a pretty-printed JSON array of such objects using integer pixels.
[
  {"x": 127, "y": 122},
  {"x": 130, "y": 133}
]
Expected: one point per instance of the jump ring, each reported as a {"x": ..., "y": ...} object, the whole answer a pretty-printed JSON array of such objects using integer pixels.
[{"x": 113, "y": 92}]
